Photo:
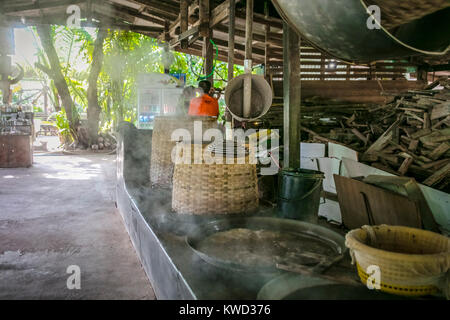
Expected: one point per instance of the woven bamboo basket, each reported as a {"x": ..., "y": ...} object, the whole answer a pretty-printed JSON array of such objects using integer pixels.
[
  {"x": 161, "y": 165},
  {"x": 396, "y": 13},
  {"x": 412, "y": 262},
  {"x": 205, "y": 187}
]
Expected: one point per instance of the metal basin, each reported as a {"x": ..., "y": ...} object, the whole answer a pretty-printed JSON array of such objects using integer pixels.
[{"x": 327, "y": 237}]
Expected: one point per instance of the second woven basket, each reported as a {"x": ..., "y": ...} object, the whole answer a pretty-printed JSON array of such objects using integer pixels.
[
  {"x": 214, "y": 189},
  {"x": 161, "y": 165}
]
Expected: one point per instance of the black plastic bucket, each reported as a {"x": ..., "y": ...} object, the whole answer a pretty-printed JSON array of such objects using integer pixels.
[{"x": 299, "y": 194}]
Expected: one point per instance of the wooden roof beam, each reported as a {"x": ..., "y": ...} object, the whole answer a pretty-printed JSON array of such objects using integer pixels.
[
  {"x": 13, "y": 7},
  {"x": 218, "y": 14},
  {"x": 165, "y": 9},
  {"x": 176, "y": 24},
  {"x": 133, "y": 12},
  {"x": 256, "y": 36}
]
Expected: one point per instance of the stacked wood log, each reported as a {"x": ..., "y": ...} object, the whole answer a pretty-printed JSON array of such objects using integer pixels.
[
  {"x": 104, "y": 142},
  {"x": 408, "y": 136}
]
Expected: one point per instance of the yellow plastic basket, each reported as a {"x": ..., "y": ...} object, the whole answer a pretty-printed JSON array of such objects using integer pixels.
[
  {"x": 412, "y": 262},
  {"x": 399, "y": 289}
]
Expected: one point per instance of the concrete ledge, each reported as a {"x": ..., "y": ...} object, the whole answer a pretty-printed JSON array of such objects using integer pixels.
[{"x": 173, "y": 269}]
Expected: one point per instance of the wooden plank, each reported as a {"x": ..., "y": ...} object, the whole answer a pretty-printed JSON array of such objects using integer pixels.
[
  {"x": 400, "y": 185},
  {"x": 185, "y": 35},
  {"x": 444, "y": 121},
  {"x": 405, "y": 166},
  {"x": 432, "y": 139},
  {"x": 434, "y": 84},
  {"x": 383, "y": 140},
  {"x": 438, "y": 176},
  {"x": 439, "y": 151},
  {"x": 384, "y": 168},
  {"x": 161, "y": 9},
  {"x": 360, "y": 136},
  {"x": 421, "y": 133},
  {"x": 318, "y": 136},
  {"x": 440, "y": 111},
  {"x": 365, "y": 204},
  {"x": 413, "y": 145},
  {"x": 436, "y": 165},
  {"x": 220, "y": 13},
  {"x": 173, "y": 27}
]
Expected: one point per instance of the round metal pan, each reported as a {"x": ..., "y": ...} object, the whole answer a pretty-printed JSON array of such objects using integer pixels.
[{"x": 331, "y": 238}]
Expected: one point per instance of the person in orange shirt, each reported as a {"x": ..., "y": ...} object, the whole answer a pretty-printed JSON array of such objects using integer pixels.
[{"x": 204, "y": 105}]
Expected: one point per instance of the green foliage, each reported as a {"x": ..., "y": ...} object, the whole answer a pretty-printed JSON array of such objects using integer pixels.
[
  {"x": 126, "y": 55},
  {"x": 37, "y": 109},
  {"x": 62, "y": 124},
  {"x": 61, "y": 121}
]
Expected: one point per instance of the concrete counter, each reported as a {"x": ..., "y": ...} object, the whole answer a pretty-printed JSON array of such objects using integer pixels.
[{"x": 158, "y": 235}]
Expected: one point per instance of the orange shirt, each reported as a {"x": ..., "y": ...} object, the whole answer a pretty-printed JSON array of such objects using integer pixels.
[{"x": 204, "y": 106}]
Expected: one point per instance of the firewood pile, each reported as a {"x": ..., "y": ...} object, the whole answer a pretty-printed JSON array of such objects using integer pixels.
[{"x": 408, "y": 136}]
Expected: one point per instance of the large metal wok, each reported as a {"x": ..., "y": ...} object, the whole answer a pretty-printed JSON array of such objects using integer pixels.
[
  {"x": 340, "y": 27},
  {"x": 306, "y": 230}
]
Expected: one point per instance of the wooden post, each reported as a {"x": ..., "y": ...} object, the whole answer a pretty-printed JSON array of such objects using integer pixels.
[
  {"x": 184, "y": 22},
  {"x": 207, "y": 33},
  {"x": 422, "y": 73},
  {"x": 248, "y": 59},
  {"x": 204, "y": 15},
  {"x": 166, "y": 49},
  {"x": 231, "y": 33},
  {"x": 267, "y": 40},
  {"x": 249, "y": 30},
  {"x": 209, "y": 58},
  {"x": 231, "y": 39},
  {"x": 292, "y": 97}
]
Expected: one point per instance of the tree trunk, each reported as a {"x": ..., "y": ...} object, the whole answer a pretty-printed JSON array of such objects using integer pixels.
[
  {"x": 117, "y": 86},
  {"x": 56, "y": 99},
  {"x": 57, "y": 76},
  {"x": 93, "y": 111}
]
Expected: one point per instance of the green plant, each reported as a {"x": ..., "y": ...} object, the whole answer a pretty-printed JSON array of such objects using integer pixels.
[
  {"x": 62, "y": 124},
  {"x": 37, "y": 109}
]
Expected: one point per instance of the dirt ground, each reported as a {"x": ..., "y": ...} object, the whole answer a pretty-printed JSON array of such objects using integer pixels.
[{"x": 60, "y": 213}]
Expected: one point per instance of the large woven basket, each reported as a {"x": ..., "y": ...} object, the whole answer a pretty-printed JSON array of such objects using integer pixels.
[
  {"x": 205, "y": 187},
  {"x": 412, "y": 262},
  {"x": 161, "y": 165}
]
